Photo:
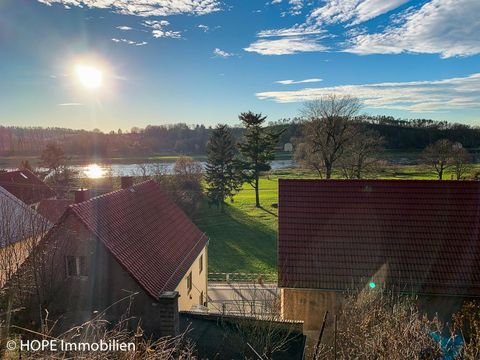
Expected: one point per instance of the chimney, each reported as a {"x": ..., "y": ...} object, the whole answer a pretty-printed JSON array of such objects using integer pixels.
[
  {"x": 81, "y": 195},
  {"x": 167, "y": 319},
  {"x": 126, "y": 181}
]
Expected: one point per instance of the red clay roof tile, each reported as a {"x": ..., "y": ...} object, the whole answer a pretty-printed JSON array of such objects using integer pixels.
[
  {"x": 148, "y": 234},
  {"x": 337, "y": 234},
  {"x": 26, "y": 186}
]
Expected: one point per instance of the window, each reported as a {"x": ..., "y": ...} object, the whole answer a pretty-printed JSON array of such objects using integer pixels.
[
  {"x": 189, "y": 282},
  {"x": 76, "y": 266},
  {"x": 201, "y": 264}
]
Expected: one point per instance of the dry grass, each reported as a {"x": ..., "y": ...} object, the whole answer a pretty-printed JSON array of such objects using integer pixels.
[
  {"x": 372, "y": 325},
  {"x": 467, "y": 323},
  {"x": 97, "y": 330}
]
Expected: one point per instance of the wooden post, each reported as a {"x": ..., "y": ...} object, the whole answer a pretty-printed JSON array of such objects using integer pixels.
[
  {"x": 335, "y": 337},
  {"x": 321, "y": 334}
]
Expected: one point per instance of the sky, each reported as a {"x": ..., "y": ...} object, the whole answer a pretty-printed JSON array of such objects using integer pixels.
[{"x": 206, "y": 61}]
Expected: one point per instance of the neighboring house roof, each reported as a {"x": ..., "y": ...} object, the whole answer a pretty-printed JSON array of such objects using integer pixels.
[
  {"x": 415, "y": 236},
  {"x": 26, "y": 186},
  {"x": 18, "y": 221},
  {"x": 146, "y": 232},
  {"x": 53, "y": 209}
]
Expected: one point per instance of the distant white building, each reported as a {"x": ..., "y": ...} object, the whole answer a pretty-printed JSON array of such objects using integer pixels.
[{"x": 288, "y": 147}]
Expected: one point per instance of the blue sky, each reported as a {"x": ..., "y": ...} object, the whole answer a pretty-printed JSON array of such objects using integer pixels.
[{"x": 205, "y": 61}]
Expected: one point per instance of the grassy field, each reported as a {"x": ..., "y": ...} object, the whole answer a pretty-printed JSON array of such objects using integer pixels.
[{"x": 243, "y": 239}]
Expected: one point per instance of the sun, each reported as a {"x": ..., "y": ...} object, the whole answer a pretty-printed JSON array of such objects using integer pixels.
[{"x": 89, "y": 76}]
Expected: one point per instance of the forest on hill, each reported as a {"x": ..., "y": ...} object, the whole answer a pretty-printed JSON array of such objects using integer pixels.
[{"x": 398, "y": 134}]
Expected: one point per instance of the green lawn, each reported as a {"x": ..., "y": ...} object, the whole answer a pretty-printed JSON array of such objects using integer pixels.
[{"x": 243, "y": 239}]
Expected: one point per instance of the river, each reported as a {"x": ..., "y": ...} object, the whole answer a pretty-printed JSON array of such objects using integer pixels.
[{"x": 100, "y": 170}]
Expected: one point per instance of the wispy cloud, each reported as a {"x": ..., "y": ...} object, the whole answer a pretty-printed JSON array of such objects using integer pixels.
[
  {"x": 297, "y": 30},
  {"x": 291, "y": 82},
  {"x": 129, "y": 42},
  {"x": 445, "y": 27},
  {"x": 414, "y": 96},
  {"x": 158, "y": 29},
  {"x": 70, "y": 104},
  {"x": 352, "y": 12},
  {"x": 146, "y": 7},
  {"x": 285, "y": 46},
  {"x": 124, "y": 28},
  {"x": 313, "y": 29},
  {"x": 221, "y": 53},
  {"x": 204, "y": 28}
]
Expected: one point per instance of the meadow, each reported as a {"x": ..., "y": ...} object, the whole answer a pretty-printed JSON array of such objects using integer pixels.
[{"x": 243, "y": 238}]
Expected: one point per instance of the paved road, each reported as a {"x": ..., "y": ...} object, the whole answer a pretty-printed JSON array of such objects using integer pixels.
[{"x": 237, "y": 297}]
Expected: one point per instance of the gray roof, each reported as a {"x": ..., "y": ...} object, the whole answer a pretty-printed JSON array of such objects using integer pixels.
[{"x": 18, "y": 221}]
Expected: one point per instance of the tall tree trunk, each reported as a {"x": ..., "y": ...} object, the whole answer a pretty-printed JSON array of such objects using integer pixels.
[
  {"x": 257, "y": 195},
  {"x": 328, "y": 171}
]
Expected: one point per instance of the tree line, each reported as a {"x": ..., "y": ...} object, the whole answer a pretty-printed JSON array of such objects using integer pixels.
[{"x": 399, "y": 134}]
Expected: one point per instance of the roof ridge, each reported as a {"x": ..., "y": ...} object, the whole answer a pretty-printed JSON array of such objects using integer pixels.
[{"x": 114, "y": 192}]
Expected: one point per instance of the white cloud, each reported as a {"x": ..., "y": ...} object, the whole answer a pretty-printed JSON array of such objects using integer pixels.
[
  {"x": 70, "y": 104},
  {"x": 146, "y": 7},
  {"x": 158, "y": 29},
  {"x": 285, "y": 46},
  {"x": 221, "y": 53},
  {"x": 129, "y": 42},
  {"x": 352, "y": 11},
  {"x": 414, "y": 96},
  {"x": 124, "y": 28},
  {"x": 296, "y": 30},
  {"x": 445, "y": 27},
  {"x": 204, "y": 28},
  {"x": 291, "y": 82},
  {"x": 296, "y": 6}
]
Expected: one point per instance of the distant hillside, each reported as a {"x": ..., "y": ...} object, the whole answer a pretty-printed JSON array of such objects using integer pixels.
[{"x": 399, "y": 134}]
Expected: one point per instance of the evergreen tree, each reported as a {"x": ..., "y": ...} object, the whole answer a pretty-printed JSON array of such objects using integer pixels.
[
  {"x": 221, "y": 175},
  {"x": 257, "y": 149}
]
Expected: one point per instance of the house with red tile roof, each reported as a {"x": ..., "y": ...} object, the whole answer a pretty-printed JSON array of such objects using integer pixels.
[
  {"x": 53, "y": 209},
  {"x": 21, "y": 228},
  {"x": 413, "y": 237},
  {"x": 26, "y": 186},
  {"x": 134, "y": 241}
]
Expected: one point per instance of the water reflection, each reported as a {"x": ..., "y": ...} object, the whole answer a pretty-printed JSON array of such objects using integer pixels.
[{"x": 95, "y": 171}]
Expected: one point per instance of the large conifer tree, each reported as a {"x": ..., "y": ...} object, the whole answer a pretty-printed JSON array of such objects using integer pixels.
[
  {"x": 257, "y": 149},
  {"x": 222, "y": 176}
]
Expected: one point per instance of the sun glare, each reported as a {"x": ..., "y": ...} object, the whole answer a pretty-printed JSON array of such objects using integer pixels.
[
  {"x": 89, "y": 76},
  {"x": 93, "y": 171}
]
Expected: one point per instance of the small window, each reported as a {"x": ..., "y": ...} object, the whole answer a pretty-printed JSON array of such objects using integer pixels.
[
  {"x": 76, "y": 266},
  {"x": 71, "y": 266},
  {"x": 189, "y": 282},
  {"x": 82, "y": 266},
  {"x": 201, "y": 264}
]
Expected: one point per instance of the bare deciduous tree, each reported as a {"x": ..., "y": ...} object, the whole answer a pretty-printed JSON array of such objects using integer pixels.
[
  {"x": 259, "y": 323},
  {"x": 329, "y": 128},
  {"x": 360, "y": 156},
  {"x": 445, "y": 154},
  {"x": 461, "y": 160},
  {"x": 21, "y": 228},
  {"x": 378, "y": 325},
  {"x": 309, "y": 159}
]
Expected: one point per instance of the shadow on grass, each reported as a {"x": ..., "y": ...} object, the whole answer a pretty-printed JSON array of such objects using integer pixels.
[
  {"x": 268, "y": 211},
  {"x": 239, "y": 242}
]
